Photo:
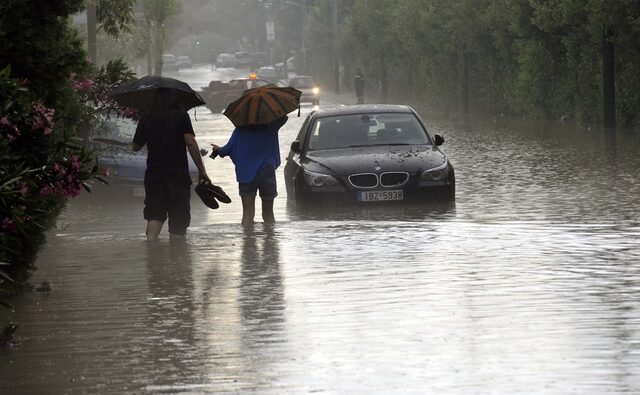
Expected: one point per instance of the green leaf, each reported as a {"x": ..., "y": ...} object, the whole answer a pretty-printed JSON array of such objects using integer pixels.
[
  {"x": 85, "y": 186},
  {"x": 7, "y": 305}
]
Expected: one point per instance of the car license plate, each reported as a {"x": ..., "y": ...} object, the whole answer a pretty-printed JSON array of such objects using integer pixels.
[
  {"x": 380, "y": 196},
  {"x": 138, "y": 192}
]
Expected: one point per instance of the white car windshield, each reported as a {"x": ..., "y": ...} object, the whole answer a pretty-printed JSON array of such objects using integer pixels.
[
  {"x": 366, "y": 130},
  {"x": 119, "y": 130}
]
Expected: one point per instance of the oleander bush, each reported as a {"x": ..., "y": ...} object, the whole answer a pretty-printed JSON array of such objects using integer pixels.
[{"x": 48, "y": 93}]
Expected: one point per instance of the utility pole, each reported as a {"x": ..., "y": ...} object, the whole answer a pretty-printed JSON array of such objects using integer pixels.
[
  {"x": 334, "y": 49},
  {"x": 609, "y": 78},
  {"x": 304, "y": 47}
]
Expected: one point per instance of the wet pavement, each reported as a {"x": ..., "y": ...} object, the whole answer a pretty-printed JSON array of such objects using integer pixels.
[{"x": 529, "y": 283}]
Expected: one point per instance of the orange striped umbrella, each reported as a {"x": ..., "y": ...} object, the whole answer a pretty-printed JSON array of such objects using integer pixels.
[{"x": 263, "y": 105}]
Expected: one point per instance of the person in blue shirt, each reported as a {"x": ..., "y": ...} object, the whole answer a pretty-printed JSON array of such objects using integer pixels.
[{"x": 255, "y": 152}]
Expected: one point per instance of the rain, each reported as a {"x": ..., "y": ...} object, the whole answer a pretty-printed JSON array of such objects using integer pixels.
[{"x": 456, "y": 212}]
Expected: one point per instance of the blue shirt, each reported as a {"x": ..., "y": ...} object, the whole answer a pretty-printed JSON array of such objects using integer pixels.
[{"x": 253, "y": 148}]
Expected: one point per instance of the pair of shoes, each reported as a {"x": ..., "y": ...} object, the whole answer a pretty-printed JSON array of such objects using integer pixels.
[
  {"x": 207, "y": 198},
  {"x": 218, "y": 193},
  {"x": 208, "y": 193}
]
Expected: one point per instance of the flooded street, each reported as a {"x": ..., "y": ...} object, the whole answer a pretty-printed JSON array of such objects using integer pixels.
[{"x": 529, "y": 283}]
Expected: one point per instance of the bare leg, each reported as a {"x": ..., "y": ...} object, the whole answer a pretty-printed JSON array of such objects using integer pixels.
[
  {"x": 153, "y": 230},
  {"x": 248, "y": 209},
  {"x": 267, "y": 211}
]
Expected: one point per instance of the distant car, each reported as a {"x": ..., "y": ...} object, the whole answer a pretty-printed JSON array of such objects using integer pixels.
[
  {"x": 242, "y": 60},
  {"x": 169, "y": 62},
  {"x": 183, "y": 62},
  {"x": 260, "y": 59},
  {"x": 111, "y": 139},
  {"x": 365, "y": 154},
  {"x": 268, "y": 73},
  {"x": 306, "y": 84},
  {"x": 225, "y": 60},
  {"x": 219, "y": 94},
  {"x": 291, "y": 64}
]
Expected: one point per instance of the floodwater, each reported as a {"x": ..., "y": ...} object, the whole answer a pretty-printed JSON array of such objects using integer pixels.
[{"x": 529, "y": 283}]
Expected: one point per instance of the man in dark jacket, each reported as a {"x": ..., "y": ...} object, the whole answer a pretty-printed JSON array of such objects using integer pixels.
[{"x": 168, "y": 134}]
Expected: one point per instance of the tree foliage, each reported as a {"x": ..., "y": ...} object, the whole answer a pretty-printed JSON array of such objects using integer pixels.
[
  {"x": 48, "y": 92},
  {"x": 537, "y": 58}
]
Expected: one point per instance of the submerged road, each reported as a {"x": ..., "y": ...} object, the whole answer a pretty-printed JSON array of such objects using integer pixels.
[{"x": 529, "y": 283}]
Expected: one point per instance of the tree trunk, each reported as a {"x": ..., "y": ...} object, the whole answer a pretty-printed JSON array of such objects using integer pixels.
[
  {"x": 463, "y": 88},
  {"x": 159, "y": 48},
  {"x": 608, "y": 78},
  {"x": 147, "y": 33},
  {"x": 92, "y": 28},
  {"x": 382, "y": 77}
]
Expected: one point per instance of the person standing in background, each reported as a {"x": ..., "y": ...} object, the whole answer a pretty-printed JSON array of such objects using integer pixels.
[{"x": 358, "y": 82}]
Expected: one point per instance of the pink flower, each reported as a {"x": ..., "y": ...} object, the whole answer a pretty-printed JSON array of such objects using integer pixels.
[
  {"x": 61, "y": 171},
  {"x": 76, "y": 164},
  {"x": 85, "y": 85},
  {"x": 43, "y": 120},
  {"x": 23, "y": 188},
  {"x": 73, "y": 190},
  {"x": 9, "y": 225},
  {"x": 46, "y": 190},
  {"x": 11, "y": 131}
]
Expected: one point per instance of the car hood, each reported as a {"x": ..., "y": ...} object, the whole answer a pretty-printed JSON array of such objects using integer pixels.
[{"x": 343, "y": 162}]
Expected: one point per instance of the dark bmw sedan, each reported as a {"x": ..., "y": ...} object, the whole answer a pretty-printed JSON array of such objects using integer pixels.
[{"x": 365, "y": 154}]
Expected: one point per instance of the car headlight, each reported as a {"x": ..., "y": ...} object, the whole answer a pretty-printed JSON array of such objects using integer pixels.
[
  {"x": 439, "y": 173},
  {"x": 319, "y": 180},
  {"x": 315, "y": 90}
]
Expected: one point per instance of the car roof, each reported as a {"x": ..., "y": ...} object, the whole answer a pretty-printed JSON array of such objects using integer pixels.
[
  {"x": 362, "y": 109},
  {"x": 248, "y": 79}
]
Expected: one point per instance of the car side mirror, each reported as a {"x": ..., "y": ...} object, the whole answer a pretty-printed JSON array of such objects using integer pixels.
[
  {"x": 438, "y": 139},
  {"x": 295, "y": 147}
]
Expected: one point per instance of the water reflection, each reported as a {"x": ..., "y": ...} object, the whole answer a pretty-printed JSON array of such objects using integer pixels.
[
  {"x": 429, "y": 210},
  {"x": 170, "y": 312},
  {"x": 261, "y": 295}
]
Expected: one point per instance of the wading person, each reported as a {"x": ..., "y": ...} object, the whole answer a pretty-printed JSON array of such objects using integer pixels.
[
  {"x": 255, "y": 152},
  {"x": 358, "y": 83},
  {"x": 168, "y": 134}
]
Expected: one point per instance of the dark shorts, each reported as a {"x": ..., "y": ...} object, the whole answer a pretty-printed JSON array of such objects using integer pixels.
[
  {"x": 265, "y": 182},
  {"x": 165, "y": 197}
]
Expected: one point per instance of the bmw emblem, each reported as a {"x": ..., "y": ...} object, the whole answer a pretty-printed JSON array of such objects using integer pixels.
[{"x": 377, "y": 168}]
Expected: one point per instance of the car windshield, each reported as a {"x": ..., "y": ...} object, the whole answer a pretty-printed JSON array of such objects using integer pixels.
[
  {"x": 115, "y": 129},
  {"x": 302, "y": 83},
  {"x": 362, "y": 130}
]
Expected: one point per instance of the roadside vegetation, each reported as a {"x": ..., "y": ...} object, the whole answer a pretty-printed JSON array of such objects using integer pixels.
[
  {"x": 538, "y": 59},
  {"x": 48, "y": 93}
]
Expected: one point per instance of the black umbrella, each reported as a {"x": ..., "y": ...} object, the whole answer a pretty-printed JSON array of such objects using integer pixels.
[{"x": 148, "y": 92}]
